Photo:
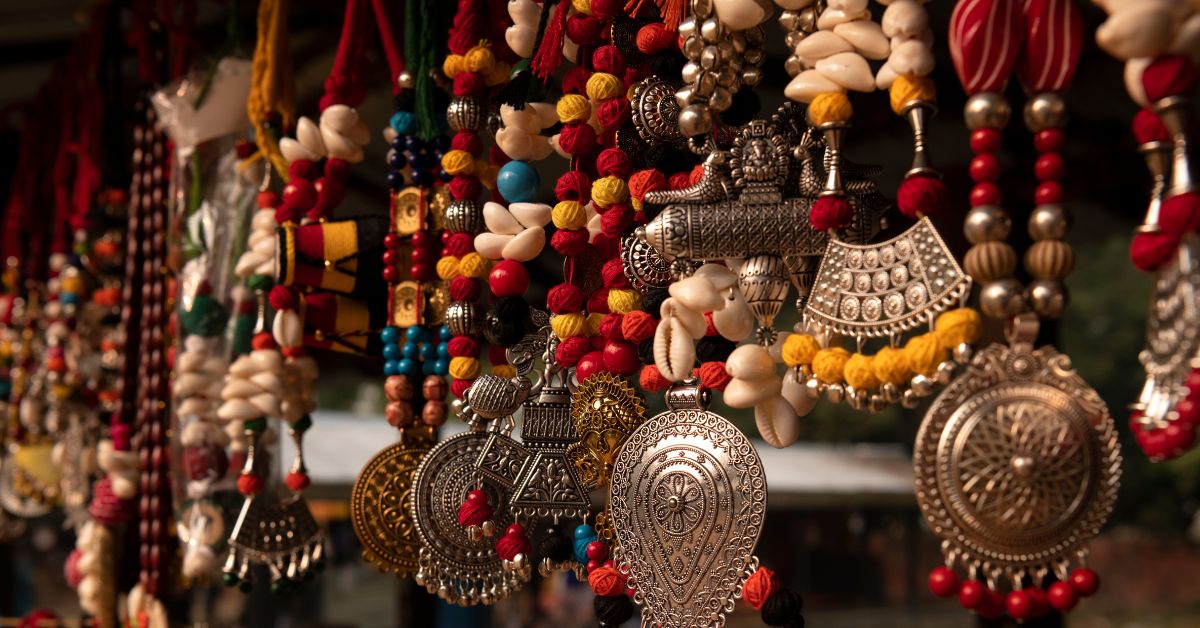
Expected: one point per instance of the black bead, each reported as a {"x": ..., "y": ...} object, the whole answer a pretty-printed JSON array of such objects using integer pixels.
[
  {"x": 714, "y": 349},
  {"x": 511, "y": 309},
  {"x": 555, "y": 546},
  {"x": 395, "y": 179},
  {"x": 612, "y": 610},
  {"x": 646, "y": 351},
  {"x": 397, "y": 159},
  {"x": 420, "y": 177},
  {"x": 783, "y": 608},
  {"x": 652, "y": 300}
]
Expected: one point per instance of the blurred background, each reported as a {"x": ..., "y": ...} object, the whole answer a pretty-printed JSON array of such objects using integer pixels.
[{"x": 843, "y": 525}]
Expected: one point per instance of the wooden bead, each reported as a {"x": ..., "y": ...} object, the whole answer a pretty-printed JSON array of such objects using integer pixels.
[
  {"x": 1050, "y": 259},
  {"x": 434, "y": 413},
  {"x": 989, "y": 261},
  {"x": 434, "y": 388}
]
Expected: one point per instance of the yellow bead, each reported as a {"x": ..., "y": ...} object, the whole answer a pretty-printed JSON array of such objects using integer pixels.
[
  {"x": 573, "y": 108},
  {"x": 610, "y": 190},
  {"x": 958, "y": 326},
  {"x": 860, "y": 373},
  {"x": 593, "y": 322},
  {"x": 602, "y": 86},
  {"x": 799, "y": 350},
  {"x": 474, "y": 265},
  {"x": 458, "y": 162},
  {"x": 480, "y": 59},
  {"x": 924, "y": 353},
  {"x": 907, "y": 89},
  {"x": 890, "y": 366},
  {"x": 624, "y": 301},
  {"x": 447, "y": 268},
  {"x": 568, "y": 215},
  {"x": 568, "y": 325},
  {"x": 464, "y": 368},
  {"x": 454, "y": 65},
  {"x": 829, "y": 364},
  {"x": 830, "y": 107},
  {"x": 504, "y": 370}
]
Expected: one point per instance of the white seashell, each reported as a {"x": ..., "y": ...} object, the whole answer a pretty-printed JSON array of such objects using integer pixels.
[
  {"x": 697, "y": 294},
  {"x": 1133, "y": 80},
  {"x": 832, "y": 17},
  {"x": 822, "y": 44},
  {"x": 490, "y": 245},
  {"x": 524, "y": 11},
  {"x": 777, "y": 422},
  {"x": 288, "y": 329},
  {"x": 912, "y": 58},
  {"x": 557, "y": 148},
  {"x": 215, "y": 365},
  {"x": 540, "y": 147},
  {"x": 340, "y": 146},
  {"x": 742, "y": 393},
  {"x": 309, "y": 134},
  {"x": 743, "y": 14},
  {"x": 808, "y": 85},
  {"x": 850, "y": 6},
  {"x": 1144, "y": 29},
  {"x": 267, "y": 381},
  {"x": 885, "y": 77},
  {"x": 87, "y": 561},
  {"x": 123, "y": 487},
  {"x": 191, "y": 360},
  {"x": 848, "y": 69},
  {"x": 721, "y": 277},
  {"x": 360, "y": 134},
  {"x": 674, "y": 353},
  {"x": 193, "y": 406},
  {"x": 266, "y": 403},
  {"x": 198, "y": 344},
  {"x": 236, "y": 433},
  {"x": 866, "y": 37},
  {"x": 1187, "y": 40},
  {"x": 751, "y": 363},
  {"x": 189, "y": 384},
  {"x": 339, "y": 118},
  {"x": 734, "y": 321},
  {"x": 776, "y": 348},
  {"x": 516, "y": 143},
  {"x": 531, "y": 214},
  {"x": 294, "y": 151},
  {"x": 692, "y": 320},
  {"x": 522, "y": 119},
  {"x": 793, "y": 5},
  {"x": 520, "y": 39},
  {"x": 266, "y": 359},
  {"x": 499, "y": 220},
  {"x": 546, "y": 112},
  {"x": 240, "y": 388},
  {"x": 525, "y": 246},
  {"x": 797, "y": 393},
  {"x": 389, "y": 135},
  {"x": 904, "y": 18},
  {"x": 237, "y": 410},
  {"x": 925, "y": 36}
]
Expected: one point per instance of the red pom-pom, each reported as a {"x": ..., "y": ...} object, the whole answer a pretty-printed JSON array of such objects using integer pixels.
[
  {"x": 637, "y": 326},
  {"x": 106, "y": 507},
  {"x": 616, "y": 220},
  {"x": 464, "y": 289},
  {"x": 612, "y": 113},
  {"x": 458, "y": 244},
  {"x": 591, "y": 362},
  {"x": 759, "y": 587},
  {"x": 621, "y": 357},
  {"x": 475, "y": 510},
  {"x": 300, "y": 194},
  {"x": 613, "y": 274},
  {"x": 610, "y": 327},
  {"x": 575, "y": 80},
  {"x": 943, "y": 582},
  {"x": 651, "y": 380},
  {"x": 1188, "y": 411},
  {"x": 571, "y": 350},
  {"x": 607, "y": 9},
  {"x": 249, "y": 484},
  {"x": 337, "y": 169},
  {"x": 459, "y": 387},
  {"x": 266, "y": 200},
  {"x": 1148, "y": 127},
  {"x": 263, "y": 340},
  {"x": 508, "y": 279},
  {"x": 463, "y": 347},
  {"x": 1084, "y": 581},
  {"x": 644, "y": 181},
  {"x": 606, "y": 581},
  {"x": 468, "y": 141},
  {"x": 297, "y": 481},
  {"x": 607, "y": 246},
  {"x": 513, "y": 542},
  {"x": 463, "y": 187},
  {"x": 569, "y": 243},
  {"x": 608, "y": 59},
  {"x": 921, "y": 195},
  {"x": 303, "y": 169},
  {"x": 330, "y": 193},
  {"x": 71, "y": 569},
  {"x": 654, "y": 38},
  {"x": 831, "y": 212},
  {"x": 598, "y": 302},
  {"x": 1168, "y": 75},
  {"x": 1062, "y": 597},
  {"x": 577, "y": 139},
  {"x": 564, "y": 298},
  {"x": 1149, "y": 251},
  {"x": 585, "y": 31},
  {"x": 713, "y": 375},
  {"x": 469, "y": 84},
  {"x": 696, "y": 174},
  {"x": 613, "y": 162},
  {"x": 1180, "y": 213},
  {"x": 679, "y": 180},
  {"x": 573, "y": 186},
  {"x": 282, "y": 298}
]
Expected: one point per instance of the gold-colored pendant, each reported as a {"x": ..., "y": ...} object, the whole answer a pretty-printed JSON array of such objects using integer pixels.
[
  {"x": 380, "y": 505},
  {"x": 605, "y": 410}
]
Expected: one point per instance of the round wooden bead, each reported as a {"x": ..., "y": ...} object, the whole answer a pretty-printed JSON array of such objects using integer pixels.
[
  {"x": 398, "y": 388},
  {"x": 434, "y": 413},
  {"x": 434, "y": 388},
  {"x": 989, "y": 261},
  {"x": 1050, "y": 259}
]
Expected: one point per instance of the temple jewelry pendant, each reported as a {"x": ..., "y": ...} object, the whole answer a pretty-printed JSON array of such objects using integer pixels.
[
  {"x": 688, "y": 500},
  {"x": 380, "y": 503},
  {"x": 1017, "y": 464},
  {"x": 605, "y": 410}
]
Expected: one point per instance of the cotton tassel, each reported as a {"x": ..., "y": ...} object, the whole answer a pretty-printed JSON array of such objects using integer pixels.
[{"x": 549, "y": 51}]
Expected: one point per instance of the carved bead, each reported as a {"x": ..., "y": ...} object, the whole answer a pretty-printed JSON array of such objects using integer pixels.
[
  {"x": 399, "y": 414},
  {"x": 990, "y": 261},
  {"x": 462, "y": 318},
  {"x": 434, "y": 413},
  {"x": 434, "y": 387},
  {"x": 1049, "y": 259},
  {"x": 1002, "y": 299},
  {"x": 987, "y": 223},
  {"x": 1048, "y": 222}
]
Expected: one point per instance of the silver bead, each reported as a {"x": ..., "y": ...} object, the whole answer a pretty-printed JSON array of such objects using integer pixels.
[
  {"x": 463, "y": 215},
  {"x": 921, "y": 386},
  {"x": 705, "y": 85},
  {"x": 683, "y": 97},
  {"x": 695, "y": 120},
  {"x": 692, "y": 47},
  {"x": 727, "y": 76},
  {"x": 987, "y": 223},
  {"x": 489, "y": 528},
  {"x": 793, "y": 65},
  {"x": 835, "y": 393},
  {"x": 1048, "y": 222},
  {"x": 808, "y": 20},
  {"x": 702, "y": 8},
  {"x": 1047, "y": 297},
  {"x": 710, "y": 30},
  {"x": 963, "y": 353},
  {"x": 687, "y": 28},
  {"x": 739, "y": 42},
  {"x": 890, "y": 393},
  {"x": 756, "y": 36},
  {"x": 987, "y": 110},
  {"x": 751, "y": 76},
  {"x": 710, "y": 57},
  {"x": 812, "y": 387},
  {"x": 462, "y": 318},
  {"x": 1002, "y": 299},
  {"x": 1045, "y": 111},
  {"x": 406, "y": 80},
  {"x": 754, "y": 56},
  {"x": 465, "y": 114},
  {"x": 789, "y": 20},
  {"x": 721, "y": 99},
  {"x": 877, "y": 403},
  {"x": 691, "y": 72},
  {"x": 910, "y": 399},
  {"x": 945, "y": 372}
]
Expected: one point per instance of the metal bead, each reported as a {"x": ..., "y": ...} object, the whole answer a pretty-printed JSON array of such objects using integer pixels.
[
  {"x": 793, "y": 65},
  {"x": 687, "y": 28},
  {"x": 835, "y": 393},
  {"x": 910, "y": 399},
  {"x": 1002, "y": 299},
  {"x": 1047, "y": 297},
  {"x": 489, "y": 528},
  {"x": 406, "y": 80},
  {"x": 691, "y": 72},
  {"x": 789, "y": 20},
  {"x": 739, "y": 42},
  {"x": 710, "y": 57},
  {"x": 692, "y": 47},
  {"x": 986, "y": 223},
  {"x": 877, "y": 403},
  {"x": 727, "y": 76},
  {"x": 756, "y": 36},
  {"x": 462, "y": 318},
  {"x": 721, "y": 99},
  {"x": 1049, "y": 259},
  {"x": 465, "y": 114},
  {"x": 891, "y": 394},
  {"x": 792, "y": 39},
  {"x": 754, "y": 56},
  {"x": 808, "y": 20},
  {"x": 705, "y": 85},
  {"x": 1048, "y": 222},
  {"x": 710, "y": 30},
  {"x": 990, "y": 261},
  {"x": 812, "y": 386},
  {"x": 751, "y": 76},
  {"x": 963, "y": 353},
  {"x": 463, "y": 215},
  {"x": 694, "y": 120},
  {"x": 945, "y": 372},
  {"x": 1045, "y": 111},
  {"x": 683, "y": 97},
  {"x": 987, "y": 110},
  {"x": 921, "y": 386},
  {"x": 703, "y": 8}
]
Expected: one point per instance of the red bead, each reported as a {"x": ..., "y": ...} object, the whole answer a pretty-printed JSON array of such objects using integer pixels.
[
  {"x": 1188, "y": 411},
  {"x": 1048, "y": 167},
  {"x": 392, "y": 240},
  {"x": 985, "y": 193},
  {"x": 994, "y": 606},
  {"x": 1192, "y": 381},
  {"x": 1050, "y": 140},
  {"x": 985, "y": 167},
  {"x": 985, "y": 140},
  {"x": 943, "y": 582},
  {"x": 515, "y": 529},
  {"x": 1041, "y": 602},
  {"x": 1020, "y": 605},
  {"x": 1179, "y": 438},
  {"x": 592, "y": 362},
  {"x": 267, "y": 200},
  {"x": 621, "y": 357},
  {"x": 1062, "y": 596},
  {"x": 389, "y": 257},
  {"x": 972, "y": 594},
  {"x": 391, "y": 274},
  {"x": 508, "y": 279},
  {"x": 477, "y": 495},
  {"x": 593, "y": 565},
  {"x": 297, "y": 481},
  {"x": 422, "y": 272},
  {"x": 300, "y": 193},
  {"x": 1084, "y": 581},
  {"x": 597, "y": 551},
  {"x": 1048, "y": 193}
]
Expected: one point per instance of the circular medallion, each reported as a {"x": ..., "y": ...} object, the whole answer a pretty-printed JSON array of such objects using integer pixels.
[
  {"x": 644, "y": 266},
  {"x": 380, "y": 508},
  {"x": 1017, "y": 462},
  {"x": 656, "y": 112}
]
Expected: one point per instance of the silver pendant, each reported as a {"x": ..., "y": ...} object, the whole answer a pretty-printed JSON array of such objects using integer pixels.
[
  {"x": 279, "y": 534},
  {"x": 1017, "y": 463},
  {"x": 688, "y": 501},
  {"x": 1172, "y": 338}
]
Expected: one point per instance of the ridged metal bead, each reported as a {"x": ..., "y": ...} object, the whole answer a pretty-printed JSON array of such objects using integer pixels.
[
  {"x": 463, "y": 215},
  {"x": 987, "y": 110},
  {"x": 990, "y": 261},
  {"x": 1049, "y": 259},
  {"x": 465, "y": 114},
  {"x": 462, "y": 318}
]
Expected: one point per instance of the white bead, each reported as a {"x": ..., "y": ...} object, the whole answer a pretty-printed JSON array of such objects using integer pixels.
[
  {"x": 546, "y": 112},
  {"x": 750, "y": 362},
  {"x": 777, "y": 423},
  {"x": 499, "y": 220},
  {"x": 515, "y": 143},
  {"x": 524, "y": 119},
  {"x": 524, "y": 11},
  {"x": 288, "y": 328},
  {"x": 912, "y": 58},
  {"x": 734, "y": 321},
  {"x": 266, "y": 403},
  {"x": 264, "y": 219},
  {"x": 674, "y": 353},
  {"x": 925, "y": 36},
  {"x": 904, "y": 18},
  {"x": 808, "y": 85},
  {"x": 490, "y": 244},
  {"x": 193, "y": 406},
  {"x": 692, "y": 321},
  {"x": 1144, "y": 29},
  {"x": 849, "y": 6},
  {"x": 848, "y": 69},
  {"x": 340, "y": 146},
  {"x": 866, "y": 37},
  {"x": 742, "y": 14},
  {"x": 339, "y": 118},
  {"x": 526, "y": 245},
  {"x": 309, "y": 134},
  {"x": 295, "y": 151},
  {"x": 721, "y": 277},
  {"x": 531, "y": 214},
  {"x": 793, "y": 5},
  {"x": 797, "y": 394},
  {"x": 832, "y": 17},
  {"x": 1133, "y": 80},
  {"x": 822, "y": 44},
  {"x": 741, "y": 393},
  {"x": 696, "y": 293},
  {"x": 189, "y": 384}
]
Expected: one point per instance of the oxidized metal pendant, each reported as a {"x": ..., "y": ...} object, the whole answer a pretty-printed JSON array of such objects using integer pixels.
[
  {"x": 688, "y": 501},
  {"x": 1017, "y": 464},
  {"x": 461, "y": 570},
  {"x": 380, "y": 504},
  {"x": 279, "y": 534},
  {"x": 605, "y": 409}
]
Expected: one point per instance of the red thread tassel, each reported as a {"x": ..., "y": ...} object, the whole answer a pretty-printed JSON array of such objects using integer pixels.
[{"x": 549, "y": 54}]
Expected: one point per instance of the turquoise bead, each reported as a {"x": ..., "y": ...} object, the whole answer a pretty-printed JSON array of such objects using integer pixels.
[
  {"x": 390, "y": 335},
  {"x": 403, "y": 122},
  {"x": 518, "y": 182}
]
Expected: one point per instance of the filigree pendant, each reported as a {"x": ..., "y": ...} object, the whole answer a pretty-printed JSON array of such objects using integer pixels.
[
  {"x": 1017, "y": 464},
  {"x": 605, "y": 409},
  {"x": 279, "y": 534},
  {"x": 688, "y": 501},
  {"x": 461, "y": 570},
  {"x": 380, "y": 504}
]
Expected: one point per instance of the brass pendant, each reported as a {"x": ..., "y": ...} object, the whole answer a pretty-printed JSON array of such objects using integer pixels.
[
  {"x": 381, "y": 504},
  {"x": 1017, "y": 463},
  {"x": 688, "y": 501},
  {"x": 605, "y": 409}
]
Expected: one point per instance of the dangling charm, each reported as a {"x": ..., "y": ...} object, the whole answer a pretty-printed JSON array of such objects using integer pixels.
[{"x": 688, "y": 501}]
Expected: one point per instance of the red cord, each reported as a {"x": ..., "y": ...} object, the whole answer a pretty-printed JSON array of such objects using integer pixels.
[
  {"x": 391, "y": 44},
  {"x": 343, "y": 86}
]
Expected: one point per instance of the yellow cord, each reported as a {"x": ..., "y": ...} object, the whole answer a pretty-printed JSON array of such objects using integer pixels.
[{"x": 272, "y": 88}]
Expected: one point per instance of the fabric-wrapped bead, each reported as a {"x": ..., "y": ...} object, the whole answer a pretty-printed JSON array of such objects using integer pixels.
[
  {"x": 829, "y": 364},
  {"x": 568, "y": 325},
  {"x": 924, "y": 353},
  {"x": 602, "y": 86},
  {"x": 800, "y": 349},
  {"x": 573, "y": 108},
  {"x": 958, "y": 326},
  {"x": 830, "y": 107},
  {"x": 890, "y": 366},
  {"x": 568, "y": 215},
  {"x": 859, "y": 372}
]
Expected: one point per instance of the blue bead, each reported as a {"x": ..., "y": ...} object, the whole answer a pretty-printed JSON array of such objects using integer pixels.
[
  {"x": 398, "y": 143},
  {"x": 391, "y": 367},
  {"x": 442, "y": 367},
  {"x": 390, "y": 335},
  {"x": 408, "y": 367},
  {"x": 428, "y": 335},
  {"x": 412, "y": 142},
  {"x": 404, "y": 122},
  {"x": 68, "y": 298},
  {"x": 395, "y": 179},
  {"x": 411, "y": 351},
  {"x": 420, "y": 177},
  {"x": 413, "y": 334},
  {"x": 584, "y": 535},
  {"x": 444, "y": 350},
  {"x": 429, "y": 351},
  {"x": 585, "y": 531},
  {"x": 391, "y": 352},
  {"x": 444, "y": 333},
  {"x": 428, "y": 368},
  {"x": 397, "y": 159},
  {"x": 518, "y": 182}
]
